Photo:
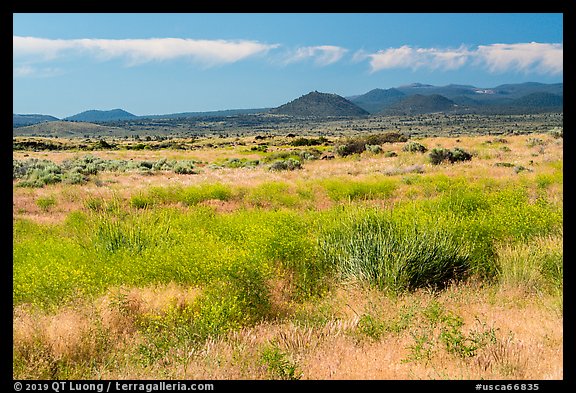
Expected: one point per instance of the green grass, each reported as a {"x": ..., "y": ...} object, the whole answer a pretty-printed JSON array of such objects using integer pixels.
[
  {"x": 46, "y": 203},
  {"x": 537, "y": 265},
  {"x": 393, "y": 254},
  {"x": 350, "y": 190},
  {"x": 497, "y": 234}
]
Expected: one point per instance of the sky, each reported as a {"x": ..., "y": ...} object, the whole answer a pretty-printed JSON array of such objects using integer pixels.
[{"x": 161, "y": 63}]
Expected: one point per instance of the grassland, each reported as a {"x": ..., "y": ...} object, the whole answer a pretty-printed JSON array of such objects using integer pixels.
[{"x": 215, "y": 262}]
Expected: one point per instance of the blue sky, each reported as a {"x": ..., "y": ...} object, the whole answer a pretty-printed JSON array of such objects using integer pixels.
[{"x": 163, "y": 63}]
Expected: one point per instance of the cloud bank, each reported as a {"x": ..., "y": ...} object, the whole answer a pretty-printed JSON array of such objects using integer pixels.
[
  {"x": 139, "y": 51},
  {"x": 524, "y": 57},
  {"x": 533, "y": 57}
]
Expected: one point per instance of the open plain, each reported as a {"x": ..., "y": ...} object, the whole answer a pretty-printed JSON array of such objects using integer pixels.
[{"x": 326, "y": 254}]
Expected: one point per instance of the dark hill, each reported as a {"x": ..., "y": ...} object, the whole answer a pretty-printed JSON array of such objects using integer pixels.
[
  {"x": 317, "y": 104},
  {"x": 540, "y": 100},
  {"x": 64, "y": 129},
  {"x": 419, "y": 104},
  {"x": 95, "y": 116},
  {"x": 518, "y": 90},
  {"x": 27, "y": 120},
  {"x": 376, "y": 100}
]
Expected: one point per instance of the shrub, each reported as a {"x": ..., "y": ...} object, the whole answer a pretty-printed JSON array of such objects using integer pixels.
[
  {"x": 74, "y": 177},
  {"x": 239, "y": 163},
  {"x": 289, "y": 164},
  {"x": 414, "y": 147},
  {"x": 375, "y": 149},
  {"x": 531, "y": 142},
  {"x": 309, "y": 141},
  {"x": 40, "y": 177},
  {"x": 557, "y": 132},
  {"x": 184, "y": 167},
  {"x": 351, "y": 147},
  {"x": 440, "y": 155},
  {"x": 162, "y": 164},
  {"x": 312, "y": 154},
  {"x": 387, "y": 137},
  {"x": 358, "y": 145},
  {"x": 458, "y": 154}
]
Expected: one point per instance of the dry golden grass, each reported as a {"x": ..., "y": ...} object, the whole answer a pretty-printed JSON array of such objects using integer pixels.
[{"x": 528, "y": 335}]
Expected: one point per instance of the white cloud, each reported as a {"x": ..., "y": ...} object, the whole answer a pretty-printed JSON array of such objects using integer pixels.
[
  {"x": 322, "y": 55},
  {"x": 408, "y": 57},
  {"x": 403, "y": 57},
  {"x": 527, "y": 57},
  {"x": 138, "y": 51}
]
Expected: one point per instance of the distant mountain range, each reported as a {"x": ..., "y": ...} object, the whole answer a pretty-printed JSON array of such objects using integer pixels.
[
  {"x": 418, "y": 104},
  {"x": 416, "y": 98},
  {"x": 526, "y": 97},
  {"x": 376, "y": 100}
]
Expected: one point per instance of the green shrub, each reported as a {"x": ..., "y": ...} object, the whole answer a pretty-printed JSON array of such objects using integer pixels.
[
  {"x": 414, "y": 147},
  {"x": 440, "y": 155},
  {"x": 458, "y": 154},
  {"x": 289, "y": 164},
  {"x": 36, "y": 173},
  {"x": 386, "y": 137},
  {"x": 309, "y": 141},
  {"x": 358, "y": 145},
  {"x": 351, "y": 147},
  {"x": 162, "y": 164},
  {"x": 75, "y": 177},
  {"x": 375, "y": 149},
  {"x": 184, "y": 167}
]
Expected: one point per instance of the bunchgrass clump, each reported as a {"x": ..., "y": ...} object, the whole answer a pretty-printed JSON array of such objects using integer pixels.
[{"x": 394, "y": 255}]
